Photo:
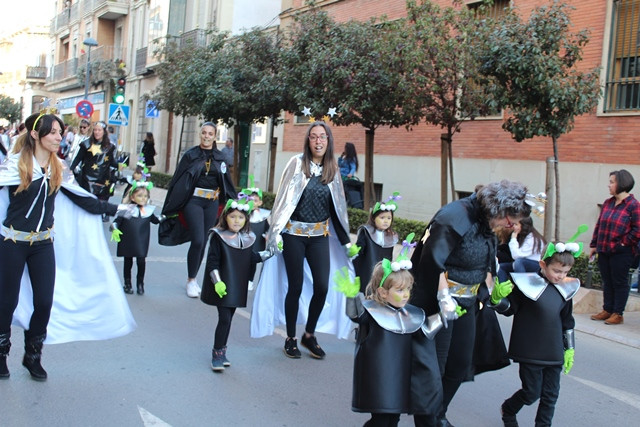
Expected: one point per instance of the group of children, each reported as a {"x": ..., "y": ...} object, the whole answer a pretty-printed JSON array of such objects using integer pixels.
[{"x": 389, "y": 328}]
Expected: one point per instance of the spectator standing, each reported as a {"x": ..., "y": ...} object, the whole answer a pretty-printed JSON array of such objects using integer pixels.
[
  {"x": 82, "y": 134},
  {"x": 615, "y": 240},
  {"x": 348, "y": 161},
  {"x": 149, "y": 150},
  {"x": 526, "y": 246}
]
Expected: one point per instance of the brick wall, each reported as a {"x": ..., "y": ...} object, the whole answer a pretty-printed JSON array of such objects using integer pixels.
[{"x": 596, "y": 138}]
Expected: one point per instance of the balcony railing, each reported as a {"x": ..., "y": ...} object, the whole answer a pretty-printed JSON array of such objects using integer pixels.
[
  {"x": 63, "y": 70},
  {"x": 141, "y": 61},
  {"x": 69, "y": 68},
  {"x": 107, "y": 9},
  {"x": 36, "y": 72},
  {"x": 196, "y": 37}
]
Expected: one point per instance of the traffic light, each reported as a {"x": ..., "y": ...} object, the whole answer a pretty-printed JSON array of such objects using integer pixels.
[{"x": 118, "y": 97}]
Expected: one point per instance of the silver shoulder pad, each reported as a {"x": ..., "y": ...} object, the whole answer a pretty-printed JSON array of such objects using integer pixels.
[
  {"x": 404, "y": 320},
  {"x": 568, "y": 288},
  {"x": 532, "y": 285}
]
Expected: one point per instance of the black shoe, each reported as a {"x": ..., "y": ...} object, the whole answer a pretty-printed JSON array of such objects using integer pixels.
[
  {"x": 32, "y": 363},
  {"x": 217, "y": 365},
  {"x": 127, "y": 287},
  {"x": 508, "y": 420},
  {"x": 291, "y": 348},
  {"x": 444, "y": 422},
  {"x": 140, "y": 289},
  {"x": 311, "y": 344},
  {"x": 4, "y": 370}
]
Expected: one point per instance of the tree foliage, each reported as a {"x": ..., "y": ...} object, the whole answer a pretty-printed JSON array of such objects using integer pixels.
[
  {"x": 10, "y": 110},
  {"x": 358, "y": 68},
  {"x": 536, "y": 67},
  {"x": 451, "y": 87}
]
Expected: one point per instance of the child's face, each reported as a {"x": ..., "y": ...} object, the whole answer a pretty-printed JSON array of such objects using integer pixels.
[
  {"x": 235, "y": 221},
  {"x": 257, "y": 202},
  {"x": 140, "y": 197},
  {"x": 397, "y": 295},
  {"x": 554, "y": 272},
  {"x": 383, "y": 221},
  {"x": 137, "y": 176}
]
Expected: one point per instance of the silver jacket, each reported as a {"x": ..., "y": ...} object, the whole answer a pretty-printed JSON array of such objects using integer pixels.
[{"x": 292, "y": 184}]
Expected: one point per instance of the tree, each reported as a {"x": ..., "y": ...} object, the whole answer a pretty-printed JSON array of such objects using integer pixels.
[
  {"x": 535, "y": 64},
  {"x": 360, "y": 69},
  {"x": 10, "y": 110},
  {"x": 452, "y": 88}
]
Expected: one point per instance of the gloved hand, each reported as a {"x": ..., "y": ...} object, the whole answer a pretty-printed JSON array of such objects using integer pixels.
[
  {"x": 265, "y": 255},
  {"x": 568, "y": 359},
  {"x": 501, "y": 290},
  {"x": 345, "y": 285},
  {"x": 115, "y": 235},
  {"x": 448, "y": 306},
  {"x": 460, "y": 311},
  {"x": 280, "y": 244},
  {"x": 162, "y": 218},
  {"x": 352, "y": 250},
  {"x": 221, "y": 288}
]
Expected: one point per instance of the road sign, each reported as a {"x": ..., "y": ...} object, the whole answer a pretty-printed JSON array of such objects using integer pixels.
[
  {"x": 84, "y": 108},
  {"x": 118, "y": 115},
  {"x": 151, "y": 112}
]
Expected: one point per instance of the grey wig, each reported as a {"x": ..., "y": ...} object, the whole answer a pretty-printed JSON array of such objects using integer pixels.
[{"x": 499, "y": 199}]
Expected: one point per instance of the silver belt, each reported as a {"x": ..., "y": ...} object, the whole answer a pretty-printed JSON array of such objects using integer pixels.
[
  {"x": 307, "y": 229},
  {"x": 461, "y": 290},
  {"x": 10, "y": 233},
  {"x": 206, "y": 193}
]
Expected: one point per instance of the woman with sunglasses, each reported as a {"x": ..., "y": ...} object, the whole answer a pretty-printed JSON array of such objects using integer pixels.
[
  {"x": 86, "y": 302},
  {"x": 454, "y": 265},
  {"x": 310, "y": 207},
  {"x": 83, "y": 133},
  {"x": 97, "y": 161}
]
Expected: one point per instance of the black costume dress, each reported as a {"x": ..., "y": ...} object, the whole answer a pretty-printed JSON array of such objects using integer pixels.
[
  {"x": 136, "y": 232},
  {"x": 173, "y": 231},
  {"x": 395, "y": 368},
  {"x": 233, "y": 256},
  {"x": 260, "y": 226},
  {"x": 460, "y": 242},
  {"x": 97, "y": 168},
  {"x": 372, "y": 251}
]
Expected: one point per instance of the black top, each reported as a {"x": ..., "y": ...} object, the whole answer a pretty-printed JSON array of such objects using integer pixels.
[
  {"x": 209, "y": 175},
  {"x": 315, "y": 203}
]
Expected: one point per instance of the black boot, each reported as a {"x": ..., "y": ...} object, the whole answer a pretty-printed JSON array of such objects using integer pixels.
[
  {"x": 5, "y": 345},
  {"x": 140, "y": 288},
  {"x": 127, "y": 286},
  {"x": 32, "y": 354}
]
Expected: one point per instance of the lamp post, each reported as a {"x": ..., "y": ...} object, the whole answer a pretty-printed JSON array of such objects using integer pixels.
[{"x": 90, "y": 42}]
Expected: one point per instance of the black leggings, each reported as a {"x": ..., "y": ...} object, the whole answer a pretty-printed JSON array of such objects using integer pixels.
[
  {"x": 200, "y": 215},
  {"x": 383, "y": 420},
  {"x": 316, "y": 251},
  {"x": 225, "y": 315},
  {"x": 41, "y": 263},
  {"x": 128, "y": 265}
]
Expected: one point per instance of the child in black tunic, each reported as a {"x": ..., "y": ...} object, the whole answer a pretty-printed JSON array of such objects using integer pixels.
[
  {"x": 376, "y": 239},
  {"x": 132, "y": 234},
  {"x": 396, "y": 368},
  {"x": 231, "y": 263},
  {"x": 542, "y": 337}
]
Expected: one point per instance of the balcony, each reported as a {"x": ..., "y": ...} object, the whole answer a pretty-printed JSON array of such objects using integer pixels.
[
  {"x": 110, "y": 9},
  {"x": 64, "y": 75},
  {"x": 196, "y": 37},
  {"x": 64, "y": 18},
  {"x": 63, "y": 71},
  {"x": 141, "y": 62},
  {"x": 36, "y": 73}
]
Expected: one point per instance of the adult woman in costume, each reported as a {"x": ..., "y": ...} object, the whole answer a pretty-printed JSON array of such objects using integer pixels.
[
  {"x": 200, "y": 183},
  {"x": 454, "y": 262},
  {"x": 32, "y": 178}
]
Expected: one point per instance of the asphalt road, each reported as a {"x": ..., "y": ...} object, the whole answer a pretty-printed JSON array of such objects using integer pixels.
[{"x": 159, "y": 375}]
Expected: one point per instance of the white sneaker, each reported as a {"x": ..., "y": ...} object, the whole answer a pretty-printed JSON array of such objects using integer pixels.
[{"x": 193, "y": 290}]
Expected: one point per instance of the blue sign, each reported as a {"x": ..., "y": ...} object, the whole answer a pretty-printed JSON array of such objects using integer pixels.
[
  {"x": 151, "y": 112},
  {"x": 118, "y": 115},
  {"x": 84, "y": 109}
]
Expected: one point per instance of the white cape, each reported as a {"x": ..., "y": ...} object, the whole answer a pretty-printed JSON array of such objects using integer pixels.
[
  {"x": 88, "y": 301},
  {"x": 268, "y": 303}
]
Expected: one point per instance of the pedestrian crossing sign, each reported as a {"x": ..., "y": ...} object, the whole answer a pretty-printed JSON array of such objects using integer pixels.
[{"x": 118, "y": 115}]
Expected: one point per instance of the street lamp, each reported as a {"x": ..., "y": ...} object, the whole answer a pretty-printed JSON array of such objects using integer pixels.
[{"x": 90, "y": 42}]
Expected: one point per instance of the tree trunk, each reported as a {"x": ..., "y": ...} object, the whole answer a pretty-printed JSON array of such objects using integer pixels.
[
  {"x": 167, "y": 156},
  {"x": 180, "y": 142},
  {"x": 450, "y": 155},
  {"x": 368, "y": 169},
  {"x": 550, "y": 192},
  {"x": 445, "y": 139},
  {"x": 557, "y": 176},
  {"x": 273, "y": 148}
]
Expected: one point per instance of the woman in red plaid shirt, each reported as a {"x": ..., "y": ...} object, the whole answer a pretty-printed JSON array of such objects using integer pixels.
[{"x": 615, "y": 239}]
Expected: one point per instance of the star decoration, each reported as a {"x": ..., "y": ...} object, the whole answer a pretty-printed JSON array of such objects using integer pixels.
[
  {"x": 216, "y": 194},
  {"x": 106, "y": 183},
  {"x": 31, "y": 236},
  {"x": 306, "y": 111},
  {"x": 11, "y": 234},
  {"x": 331, "y": 112},
  {"x": 312, "y": 119},
  {"x": 106, "y": 158},
  {"x": 326, "y": 232},
  {"x": 95, "y": 166},
  {"x": 325, "y": 118},
  {"x": 95, "y": 149},
  {"x": 48, "y": 234}
]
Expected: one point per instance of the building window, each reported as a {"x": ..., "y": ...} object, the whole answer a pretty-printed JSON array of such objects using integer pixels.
[{"x": 622, "y": 91}]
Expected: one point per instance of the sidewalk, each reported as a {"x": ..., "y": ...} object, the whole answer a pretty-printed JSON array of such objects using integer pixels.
[{"x": 628, "y": 333}]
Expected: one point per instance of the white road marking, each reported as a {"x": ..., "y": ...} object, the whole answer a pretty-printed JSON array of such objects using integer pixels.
[
  {"x": 623, "y": 396},
  {"x": 150, "y": 420}
]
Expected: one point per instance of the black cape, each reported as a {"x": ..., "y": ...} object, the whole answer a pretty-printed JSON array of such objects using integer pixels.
[
  {"x": 173, "y": 231},
  {"x": 136, "y": 231}
]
